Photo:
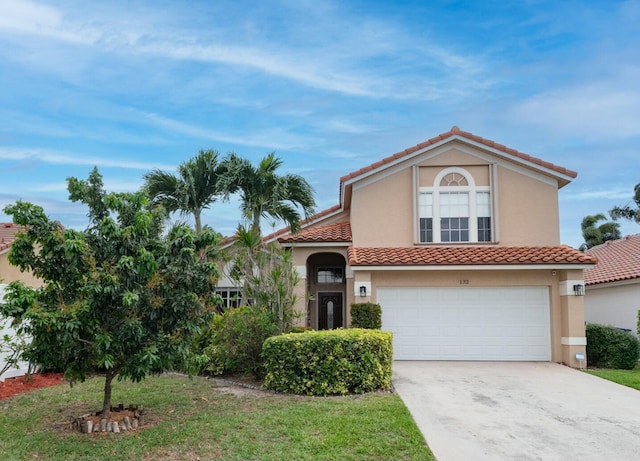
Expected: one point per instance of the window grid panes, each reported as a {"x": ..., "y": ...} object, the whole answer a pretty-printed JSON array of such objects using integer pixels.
[
  {"x": 230, "y": 297},
  {"x": 484, "y": 229},
  {"x": 454, "y": 179},
  {"x": 426, "y": 229},
  {"x": 330, "y": 275},
  {"x": 454, "y": 229},
  {"x": 483, "y": 211},
  {"x": 425, "y": 213}
]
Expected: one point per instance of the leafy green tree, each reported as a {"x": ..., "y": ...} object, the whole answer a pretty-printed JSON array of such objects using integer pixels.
[
  {"x": 267, "y": 276},
  {"x": 191, "y": 191},
  {"x": 121, "y": 297},
  {"x": 596, "y": 235},
  {"x": 628, "y": 211},
  {"x": 265, "y": 194}
]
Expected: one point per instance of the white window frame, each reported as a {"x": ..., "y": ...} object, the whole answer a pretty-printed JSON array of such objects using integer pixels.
[
  {"x": 471, "y": 189},
  {"x": 229, "y": 301}
]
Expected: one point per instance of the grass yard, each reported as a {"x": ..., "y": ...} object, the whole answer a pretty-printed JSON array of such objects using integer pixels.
[
  {"x": 630, "y": 378},
  {"x": 190, "y": 419}
]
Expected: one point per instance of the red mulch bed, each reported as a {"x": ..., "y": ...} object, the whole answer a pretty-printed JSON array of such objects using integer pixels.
[{"x": 20, "y": 384}]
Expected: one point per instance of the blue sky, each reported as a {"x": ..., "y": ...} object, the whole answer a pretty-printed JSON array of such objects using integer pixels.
[{"x": 331, "y": 86}]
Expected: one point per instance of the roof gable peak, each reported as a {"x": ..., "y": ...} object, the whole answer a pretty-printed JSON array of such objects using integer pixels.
[{"x": 456, "y": 133}]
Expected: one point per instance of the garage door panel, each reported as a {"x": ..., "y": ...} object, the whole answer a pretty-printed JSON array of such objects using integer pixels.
[{"x": 501, "y": 323}]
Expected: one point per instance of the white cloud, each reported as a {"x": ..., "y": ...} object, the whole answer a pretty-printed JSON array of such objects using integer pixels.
[
  {"x": 109, "y": 185},
  {"x": 59, "y": 158},
  {"x": 275, "y": 138},
  {"x": 327, "y": 54},
  {"x": 591, "y": 110},
  {"x": 28, "y": 17},
  {"x": 590, "y": 195}
]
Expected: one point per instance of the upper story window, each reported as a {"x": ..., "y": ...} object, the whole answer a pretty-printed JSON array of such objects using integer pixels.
[{"x": 454, "y": 209}]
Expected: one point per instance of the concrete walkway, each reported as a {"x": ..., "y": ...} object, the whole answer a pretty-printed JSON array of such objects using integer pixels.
[{"x": 519, "y": 411}]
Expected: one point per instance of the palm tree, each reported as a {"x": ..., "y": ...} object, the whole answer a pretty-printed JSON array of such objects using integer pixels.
[
  {"x": 191, "y": 191},
  {"x": 264, "y": 194},
  {"x": 627, "y": 212},
  {"x": 598, "y": 235}
]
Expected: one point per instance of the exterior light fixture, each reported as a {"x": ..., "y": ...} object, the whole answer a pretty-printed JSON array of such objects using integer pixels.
[
  {"x": 363, "y": 291},
  {"x": 578, "y": 289}
]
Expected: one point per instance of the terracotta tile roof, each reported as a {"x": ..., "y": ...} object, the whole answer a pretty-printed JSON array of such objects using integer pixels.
[
  {"x": 274, "y": 235},
  {"x": 455, "y": 131},
  {"x": 8, "y": 234},
  {"x": 617, "y": 260},
  {"x": 427, "y": 256},
  {"x": 337, "y": 232}
]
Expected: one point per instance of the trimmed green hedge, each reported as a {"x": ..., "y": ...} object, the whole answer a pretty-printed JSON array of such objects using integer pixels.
[
  {"x": 608, "y": 347},
  {"x": 366, "y": 315},
  {"x": 329, "y": 362}
]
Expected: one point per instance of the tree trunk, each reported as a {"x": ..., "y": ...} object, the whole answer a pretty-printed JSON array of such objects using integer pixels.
[
  {"x": 106, "y": 403},
  {"x": 255, "y": 226},
  {"x": 196, "y": 214}
]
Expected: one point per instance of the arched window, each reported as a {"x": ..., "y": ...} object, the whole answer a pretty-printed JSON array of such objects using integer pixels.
[{"x": 454, "y": 209}]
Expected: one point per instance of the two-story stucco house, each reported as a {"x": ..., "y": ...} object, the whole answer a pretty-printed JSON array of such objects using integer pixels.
[{"x": 458, "y": 240}]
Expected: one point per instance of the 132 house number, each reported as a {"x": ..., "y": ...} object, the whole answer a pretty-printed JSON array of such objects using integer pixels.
[{"x": 464, "y": 282}]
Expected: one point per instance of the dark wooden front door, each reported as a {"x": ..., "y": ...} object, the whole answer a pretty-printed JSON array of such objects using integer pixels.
[{"x": 329, "y": 311}]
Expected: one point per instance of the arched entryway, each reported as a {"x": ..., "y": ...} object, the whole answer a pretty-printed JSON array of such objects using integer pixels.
[{"x": 326, "y": 286}]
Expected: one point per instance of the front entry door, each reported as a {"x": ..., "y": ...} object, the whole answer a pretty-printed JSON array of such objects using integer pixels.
[{"x": 330, "y": 311}]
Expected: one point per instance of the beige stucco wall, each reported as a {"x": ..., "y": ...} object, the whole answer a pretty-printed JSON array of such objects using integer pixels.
[
  {"x": 9, "y": 273},
  {"x": 382, "y": 212},
  {"x": 528, "y": 210}
]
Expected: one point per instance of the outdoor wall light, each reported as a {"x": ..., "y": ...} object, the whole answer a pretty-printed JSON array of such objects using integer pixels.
[
  {"x": 578, "y": 289},
  {"x": 363, "y": 291}
]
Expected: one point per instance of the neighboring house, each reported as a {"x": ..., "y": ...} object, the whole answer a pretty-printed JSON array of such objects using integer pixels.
[
  {"x": 458, "y": 240},
  {"x": 9, "y": 273},
  {"x": 613, "y": 285}
]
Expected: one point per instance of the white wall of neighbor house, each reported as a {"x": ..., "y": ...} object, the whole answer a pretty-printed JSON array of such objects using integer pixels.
[
  {"x": 5, "y": 329},
  {"x": 614, "y": 304}
]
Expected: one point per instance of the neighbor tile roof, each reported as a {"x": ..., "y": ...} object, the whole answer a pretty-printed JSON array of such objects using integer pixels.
[
  {"x": 337, "y": 232},
  {"x": 426, "y": 256},
  {"x": 455, "y": 131},
  {"x": 285, "y": 230},
  {"x": 8, "y": 234},
  {"x": 617, "y": 260}
]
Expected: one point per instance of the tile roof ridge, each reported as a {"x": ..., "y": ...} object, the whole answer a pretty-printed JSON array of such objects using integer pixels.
[
  {"x": 456, "y": 131},
  {"x": 621, "y": 241},
  {"x": 305, "y": 222},
  {"x": 477, "y": 254}
]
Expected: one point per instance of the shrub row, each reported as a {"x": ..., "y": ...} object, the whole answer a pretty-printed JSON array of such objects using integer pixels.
[
  {"x": 330, "y": 362},
  {"x": 608, "y": 347}
]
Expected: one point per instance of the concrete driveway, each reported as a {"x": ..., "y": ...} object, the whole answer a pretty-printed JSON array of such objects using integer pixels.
[{"x": 519, "y": 411}]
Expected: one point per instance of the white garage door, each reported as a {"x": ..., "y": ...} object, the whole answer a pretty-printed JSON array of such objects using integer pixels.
[{"x": 505, "y": 323}]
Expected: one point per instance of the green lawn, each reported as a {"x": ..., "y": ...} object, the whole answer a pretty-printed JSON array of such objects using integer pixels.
[
  {"x": 630, "y": 378},
  {"x": 189, "y": 419}
]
